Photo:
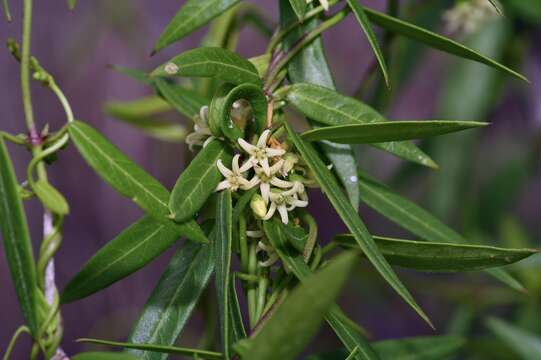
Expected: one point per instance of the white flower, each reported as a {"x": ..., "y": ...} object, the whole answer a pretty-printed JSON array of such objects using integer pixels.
[
  {"x": 260, "y": 153},
  {"x": 234, "y": 178},
  {"x": 285, "y": 201},
  {"x": 467, "y": 17},
  {"x": 201, "y": 135},
  {"x": 266, "y": 180}
]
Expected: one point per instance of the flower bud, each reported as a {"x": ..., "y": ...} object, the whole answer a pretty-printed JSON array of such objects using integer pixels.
[
  {"x": 290, "y": 160},
  {"x": 258, "y": 206}
]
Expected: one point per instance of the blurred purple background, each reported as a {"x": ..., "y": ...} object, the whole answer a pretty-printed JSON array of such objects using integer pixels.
[{"x": 77, "y": 47}]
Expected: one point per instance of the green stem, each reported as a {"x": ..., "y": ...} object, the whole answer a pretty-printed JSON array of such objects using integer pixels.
[
  {"x": 243, "y": 244},
  {"x": 63, "y": 100},
  {"x": 6, "y": 10},
  {"x": 38, "y": 157},
  {"x": 13, "y": 341},
  {"x": 261, "y": 295},
  {"x": 251, "y": 292},
  {"x": 13, "y": 138},
  {"x": 25, "y": 67},
  {"x": 307, "y": 39}
]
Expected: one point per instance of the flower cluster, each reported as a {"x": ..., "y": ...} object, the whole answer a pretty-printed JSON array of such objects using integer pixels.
[
  {"x": 468, "y": 16},
  {"x": 270, "y": 169}
]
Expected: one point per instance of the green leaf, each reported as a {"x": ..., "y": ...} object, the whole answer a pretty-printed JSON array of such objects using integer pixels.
[
  {"x": 132, "y": 249},
  {"x": 415, "y": 219},
  {"x": 211, "y": 62},
  {"x": 196, "y": 353},
  {"x": 126, "y": 177},
  {"x": 220, "y": 119},
  {"x": 136, "y": 74},
  {"x": 71, "y": 4},
  {"x": 185, "y": 101},
  {"x": 222, "y": 242},
  {"x": 51, "y": 198},
  {"x": 191, "y": 16},
  {"x": 330, "y": 108},
  {"x": 496, "y": 6},
  {"x": 310, "y": 65},
  {"x": 351, "y": 219},
  {"x": 103, "y": 356},
  {"x": 345, "y": 329},
  {"x": 17, "y": 243},
  {"x": 360, "y": 15},
  {"x": 435, "y": 41},
  {"x": 524, "y": 343},
  {"x": 433, "y": 256},
  {"x": 173, "y": 299},
  {"x": 387, "y": 131},
  {"x": 198, "y": 181},
  {"x": 299, "y": 7},
  {"x": 276, "y": 341},
  {"x": 415, "y": 348}
]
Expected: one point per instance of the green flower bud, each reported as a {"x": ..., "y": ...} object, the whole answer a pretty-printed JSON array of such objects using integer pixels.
[
  {"x": 290, "y": 160},
  {"x": 258, "y": 206}
]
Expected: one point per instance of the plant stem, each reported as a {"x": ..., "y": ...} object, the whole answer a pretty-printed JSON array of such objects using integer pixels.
[
  {"x": 13, "y": 340},
  {"x": 25, "y": 67}
]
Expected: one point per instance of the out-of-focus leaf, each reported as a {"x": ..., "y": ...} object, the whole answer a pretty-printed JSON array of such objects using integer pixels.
[
  {"x": 351, "y": 219},
  {"x": 273, "y": 340},
  {"x": 360, "y": 15},
  {"x": 261, "y": 63},
  {"x": 435, "y": 41},
  {"x": 17, "y": 244},
  {"x": 103, "y": 356},
  {"x": 191, "y": 16},
  {"x": 126, "y": 177},
  {"x": 223, "y": 242},
  {"x": 71, "y": 4},
  {"x": 51, "y": 198},
  {"x": 530, "y": 10},
  {"x": 132, "y": 249},
  {"x": 431, "y": 256},
  {"x": 344, "y": 328},
  {"x": 136, "y": 74},
  {"x": 331, "y": 108},
  {"x": 173, "y": 299},
  {"x": 387, "y": 131},
  {"x": 416, "y": 348},
  {"x": 496, "y": 6},
  {"x": 210, "y": 62},
  {"x": 160, "y": 349},
  {"x": 198, "y": 181},
  {"x": 185, "y": 101},
  {"x": 524, "y": 343},
  {"x": 416, "y": 220},
  {"x": 310, "y": 65}
]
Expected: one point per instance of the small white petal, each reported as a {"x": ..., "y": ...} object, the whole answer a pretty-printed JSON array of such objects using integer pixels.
[
  {"x": 246, "y": 166},
  {"x": 208, "y": 141},
  {"x": 253, "y": 182},
  {"x": 267, "y": 248},
  {"x": 271, "y": 211},
  {"x": 299, "y": 203},
  {"x": 325, "y": 4},
  {"x": 265, "y": 165},
  {"x": 223, "y": 185},
  {"x": 276, "y": 167},
  {"x": 249, "y": 148},
  {"x": 263, "y": 139},
  {"x": 283, "y": 214},
  {"x": 235, "y": 164},
  {"x": 221, "y": 167},
  {"x": 272, "y": 152},
  {"x": 270, "y": 261},
  {"x": 281, "y": 183},
  {"x": 265, "y": 191}
]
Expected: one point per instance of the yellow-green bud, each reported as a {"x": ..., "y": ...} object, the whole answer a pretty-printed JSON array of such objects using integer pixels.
[
  {"x": 290, "y": 160},
  {"x": 258, "y": 206}
]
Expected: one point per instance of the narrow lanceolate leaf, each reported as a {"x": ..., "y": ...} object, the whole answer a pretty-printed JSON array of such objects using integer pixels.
[
  {"x": 310, "y": 66},
  {"x": 132, "y": 249},
  {"x": 387, "y": 131},
  {"x": 137, "y": 109},
  {"x": 51, "y": 198},
  {"x": 210, "y": 62},
  {"x": 185, "y": 101},
  {"x": 198, "y": 181},
  {"x": 173, "y": 299},
  {"x": 351, "y": 219},
  {"x": 434, "y": 40},
  {"x": 191, "y": 16},
  {"x": 344, "y": 328},
  {"x": 222, "y": 242},
  {"x": 276, "y": 341},
  {"x": 17, "y": 244},
  {"x": 523, "y": 343},
  {"x": 360, "y": 15},
  {"x": 330, "y": 108},
  {"x": 416, "y": 219},
  {"x": 431, "y": 256},
  {"x": 415, "y": 348},
  {"x": 299, "y": 7},
  {"x": 160, "y": 349},
  {"x": 126, "y": 177},
  {"x": 94, "y": 355}
]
